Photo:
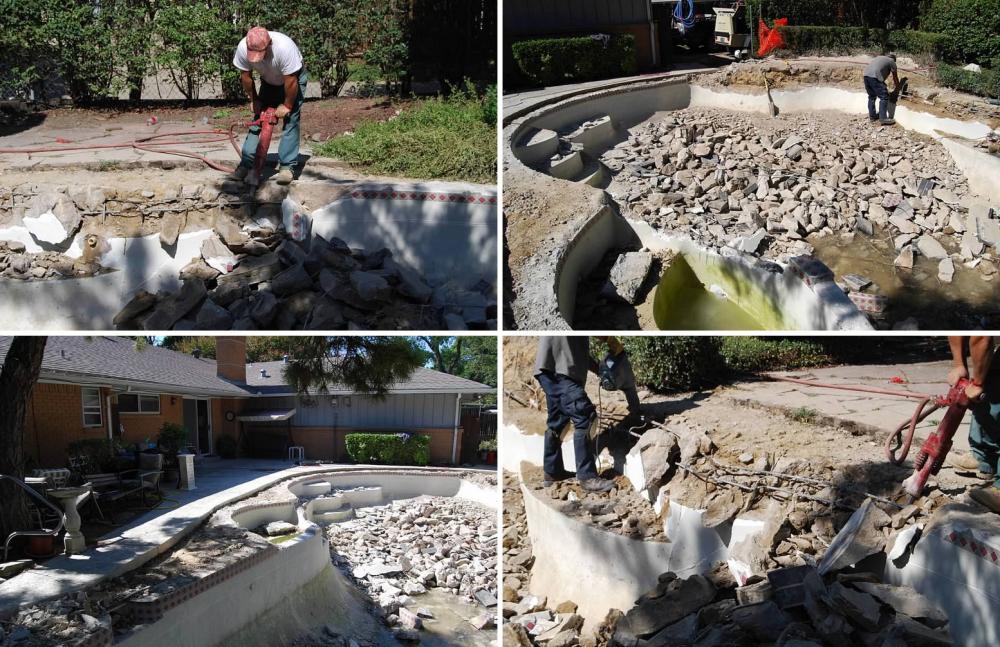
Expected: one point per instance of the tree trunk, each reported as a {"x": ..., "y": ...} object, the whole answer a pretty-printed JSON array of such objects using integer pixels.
[{"x": 17, "y": 379}]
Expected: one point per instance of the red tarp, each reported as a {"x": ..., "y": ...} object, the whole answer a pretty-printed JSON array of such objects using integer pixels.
[{"x": 770, "y": 38}]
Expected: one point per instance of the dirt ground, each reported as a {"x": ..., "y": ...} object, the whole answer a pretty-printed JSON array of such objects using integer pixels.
[
  {"x": 321, "y": 118},
  {"x": 848, "y": 73},
  {"x": 848, "y": 461}
]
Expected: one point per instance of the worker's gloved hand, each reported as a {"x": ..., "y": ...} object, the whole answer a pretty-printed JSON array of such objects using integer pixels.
[
  {"x": 957, "y": 373},
  {"x": 282, "y": 111}
]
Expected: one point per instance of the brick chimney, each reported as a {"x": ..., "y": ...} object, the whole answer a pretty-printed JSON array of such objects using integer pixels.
[{"x": 231, "y": 358}]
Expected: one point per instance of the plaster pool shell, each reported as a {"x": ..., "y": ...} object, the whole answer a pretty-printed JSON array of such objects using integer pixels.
[
  {"x": 594, "y": 226},
  {"x": 295, "y": 586},
  {"x": 442, "y": 230},
  {"x": 951, "y": 564},
  {"x": 285, "y": 590}
]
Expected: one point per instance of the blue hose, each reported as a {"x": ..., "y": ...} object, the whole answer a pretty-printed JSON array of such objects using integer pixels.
[{"x": 688, "y": 22}]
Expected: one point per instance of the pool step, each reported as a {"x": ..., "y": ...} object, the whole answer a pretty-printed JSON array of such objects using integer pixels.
[
  {"x": 315, "y": 488},
  {"x": 333, "y": 516},
  {"x": 566, "y": 167},
  {"x": 594, "y": 135},
  {"x": 537, "y": 145},
  {"x": 593, "y": 172}
]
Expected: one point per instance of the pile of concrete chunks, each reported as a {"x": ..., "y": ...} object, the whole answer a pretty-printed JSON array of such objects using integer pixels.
[
  {"x": 265, "y": 277},
  {"x": 726, "y": 183},
  {"x": 790, "y": 606}
]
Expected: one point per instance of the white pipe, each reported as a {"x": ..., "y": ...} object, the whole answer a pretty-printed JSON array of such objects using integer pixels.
[{"x": 454, "y": 432}]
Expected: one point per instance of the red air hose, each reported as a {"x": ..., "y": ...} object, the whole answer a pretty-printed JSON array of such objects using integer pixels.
[{"x": 895, "y": 442}]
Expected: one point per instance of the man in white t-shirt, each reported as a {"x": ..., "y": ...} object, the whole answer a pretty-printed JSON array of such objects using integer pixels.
[{"x": 276, "y": 58}]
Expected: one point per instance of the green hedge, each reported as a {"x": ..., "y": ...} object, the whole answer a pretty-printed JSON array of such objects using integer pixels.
[
  {"x": 555, "y": 61},
  {"x": 973, "y": 25},
  {"x": 389, "y": 449},
  {"x": 843, "y": 40},
  {"x": 872, "y": 13},
  {"x": 921, "y": 43},
  {"x": 675, "y": 363},
  {"x": 756, "y": 354},
  {"x": 985, "y": 83}
]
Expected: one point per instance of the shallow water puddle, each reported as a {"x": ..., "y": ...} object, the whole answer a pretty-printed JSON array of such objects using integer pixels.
[{"x": 912, "y": 293}]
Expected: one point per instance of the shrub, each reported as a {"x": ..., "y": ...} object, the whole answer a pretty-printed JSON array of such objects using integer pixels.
[
  {"x": 758, "y": 354},
  {"x": 95, "y": 454},
  {"x": 442, "y": 138},
  {"x": 554, "y": 61},
  {"x": 921, "y": 44},
  {"x": 838, "y": 40},
  {"x": 389, "y": 449},
  {"x": 489, "y": 445},
  {"x": 675, "y": 363},
  {"x": 226, "y": 447},
  {"x": 172, "y": 439},
  {"x": 973, "y": 25},
  {"x": 895, "y": 13},
  {"x": 984, "y": 84}
]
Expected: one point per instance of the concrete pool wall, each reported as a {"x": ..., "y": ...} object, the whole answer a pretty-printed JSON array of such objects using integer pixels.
[
  {"x": 600, "y": 119},
  {"x": 443, "y": 230},
  {"x": 295, "y": 575},
  {"x": 954, "y": 562}
]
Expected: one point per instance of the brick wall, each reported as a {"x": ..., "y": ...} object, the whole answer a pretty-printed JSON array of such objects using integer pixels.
[
  {"x": 142, "y": 426},
  {"x": 55, "y": 419},
  {"x": 231, "y": 358},
  {"x": 221, "y": 426}
]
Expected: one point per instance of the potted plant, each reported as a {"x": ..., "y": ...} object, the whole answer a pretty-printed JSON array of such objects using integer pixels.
[
  {"x": 488, "y": 451},
  {"x": 172, "y": 440}
]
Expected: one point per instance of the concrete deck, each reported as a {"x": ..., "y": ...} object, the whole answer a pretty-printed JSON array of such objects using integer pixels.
[
  {"x": 518, "y": 104},
  {"x": 124, "y": 131},
  {"x": 876, "y": 414}
]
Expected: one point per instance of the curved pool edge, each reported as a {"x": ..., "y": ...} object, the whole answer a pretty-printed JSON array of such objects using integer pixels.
[{"x": 629, "y": 104}]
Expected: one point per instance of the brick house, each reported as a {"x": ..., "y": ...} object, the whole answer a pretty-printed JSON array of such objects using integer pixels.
[{"x": 103, "y": 387}]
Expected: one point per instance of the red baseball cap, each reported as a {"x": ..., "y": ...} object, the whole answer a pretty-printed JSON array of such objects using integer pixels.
[{"x": 257, "y": 42}]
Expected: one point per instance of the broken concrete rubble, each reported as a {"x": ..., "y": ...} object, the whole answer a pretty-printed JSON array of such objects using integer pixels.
[{"x": 282, "y": 285}]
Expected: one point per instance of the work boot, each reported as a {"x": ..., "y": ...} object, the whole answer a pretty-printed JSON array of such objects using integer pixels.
[
  {"x": 888, "y": 122},
  {"x": 552, "y": 479},
  {"x": 964, "y": 462},
  {"x": 240, "y": 173},
  {"x": 284, "y": 176},
  {"x": 988, "y": 497},
  {"x": 597, "y": 484}
]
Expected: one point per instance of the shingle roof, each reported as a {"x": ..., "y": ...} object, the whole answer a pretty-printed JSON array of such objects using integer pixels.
[
  {"x": 422, "y": 380},
  {"x": 97, "y": 360},
  {"x": 102, "y": 359}
]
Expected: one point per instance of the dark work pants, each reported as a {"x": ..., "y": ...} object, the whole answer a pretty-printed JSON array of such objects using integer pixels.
[
  {"x": 567, "y": 401},
  {"x": 984, "y": 429},
  {"x": 877, "y": 90}
]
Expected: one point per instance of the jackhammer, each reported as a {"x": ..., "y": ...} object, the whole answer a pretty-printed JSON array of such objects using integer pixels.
[
  {"x": 935, "y": 448},
  {"x": 267, "y": 122}
]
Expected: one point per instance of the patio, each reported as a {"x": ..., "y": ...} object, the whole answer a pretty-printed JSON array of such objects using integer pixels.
[{"x": 217, "y": 483}]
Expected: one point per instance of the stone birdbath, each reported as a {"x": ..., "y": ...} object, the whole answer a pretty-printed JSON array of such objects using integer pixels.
[{"x": 70, "y": 498}]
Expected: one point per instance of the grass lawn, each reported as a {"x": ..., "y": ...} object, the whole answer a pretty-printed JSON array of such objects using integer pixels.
[{"x": 451, "y": 138}]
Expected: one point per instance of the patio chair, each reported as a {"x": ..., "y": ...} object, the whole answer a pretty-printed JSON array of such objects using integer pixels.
[
  {"x": 145, "y": 478},
  {"x": 53, "y": 532}
]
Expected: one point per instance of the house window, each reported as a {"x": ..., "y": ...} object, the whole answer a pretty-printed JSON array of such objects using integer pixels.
[
  {"x": 138, "y": 403},
  {"x": 92, "y": 416}
]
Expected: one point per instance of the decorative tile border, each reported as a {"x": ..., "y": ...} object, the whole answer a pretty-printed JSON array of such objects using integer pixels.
[
  {"x": 872, "y": 303},
  {"x": 966, "y": 541},
  {"x": 423, "y": 196},
  {"x": 812, "y": 271},
  {"x": 150, "y": 611}
]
